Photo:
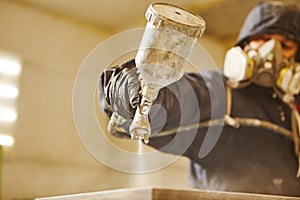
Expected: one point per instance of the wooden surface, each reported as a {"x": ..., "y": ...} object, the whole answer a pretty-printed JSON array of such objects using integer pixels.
[
  {"x": 152, "y": 193},
  {"x": 211, "y": 195}
]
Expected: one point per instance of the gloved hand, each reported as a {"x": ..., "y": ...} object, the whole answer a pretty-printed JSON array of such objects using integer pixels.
[{"x": 118, "y": 90}]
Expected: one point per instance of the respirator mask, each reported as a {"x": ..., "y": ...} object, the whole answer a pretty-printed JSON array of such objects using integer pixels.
[{"x": 265, "y": 67}]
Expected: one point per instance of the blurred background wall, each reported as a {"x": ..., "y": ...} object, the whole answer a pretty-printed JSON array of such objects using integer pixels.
[{"x": 52, "y": 38}]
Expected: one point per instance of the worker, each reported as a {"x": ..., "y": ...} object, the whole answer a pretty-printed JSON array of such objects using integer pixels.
[{"x": 253, "y": 101}]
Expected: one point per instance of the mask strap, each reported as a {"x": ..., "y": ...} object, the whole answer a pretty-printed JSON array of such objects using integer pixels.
[
  {"x": 228, "y": 119},
  {"x": 286, "y": 98},
  {"x": 296, "y": 134}
]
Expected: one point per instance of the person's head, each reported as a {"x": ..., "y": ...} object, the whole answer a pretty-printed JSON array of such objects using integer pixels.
[
  {"x": 273, "y": 20},
  {"x": 267, "y": 46}
]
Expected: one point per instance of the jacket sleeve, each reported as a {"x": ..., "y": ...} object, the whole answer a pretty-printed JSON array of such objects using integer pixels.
[
  {"x": 189, "y": 101},
  {"x": 196, "y": 97}
]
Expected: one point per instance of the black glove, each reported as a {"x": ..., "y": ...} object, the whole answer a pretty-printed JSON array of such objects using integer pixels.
[{"x": 118, "y": 90}]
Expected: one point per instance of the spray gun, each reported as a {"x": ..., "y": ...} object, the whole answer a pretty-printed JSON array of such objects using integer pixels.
[{"x": 168, "y": 39}]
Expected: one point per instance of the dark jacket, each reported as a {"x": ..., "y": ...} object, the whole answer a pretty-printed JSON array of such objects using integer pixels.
[{"x": 244, "y": 159}]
